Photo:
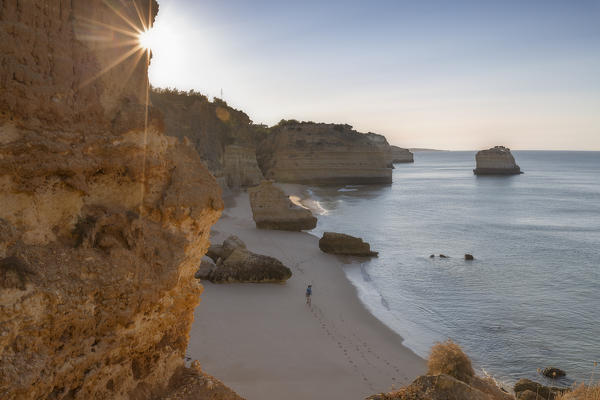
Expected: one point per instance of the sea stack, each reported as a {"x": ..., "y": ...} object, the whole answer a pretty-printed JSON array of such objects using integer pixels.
[
  {"x": 272, "y": 209},
  {"x": 496, "y": 161}
]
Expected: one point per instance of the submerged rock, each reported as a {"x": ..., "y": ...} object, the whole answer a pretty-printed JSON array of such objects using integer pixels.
[
  {"x": 272, "y": 209},
  {"x": 552, "y": 372},
  {"x": 469, "y": 257},
  {"x": 342, "y": 244},
  {"x": 496, "y": 161},
  {"x": 443, "y": 256}
]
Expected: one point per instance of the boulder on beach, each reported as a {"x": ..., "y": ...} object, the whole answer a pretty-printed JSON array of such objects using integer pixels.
[
  {"x": 233, "y": 262},
  {"x": 496, "y": 161},
  {"x": 272, "y": 209},
  {"x": 206, "y": 266},
  {"x": 342, "y": 244},
  {"x": 552, "y": 372}
]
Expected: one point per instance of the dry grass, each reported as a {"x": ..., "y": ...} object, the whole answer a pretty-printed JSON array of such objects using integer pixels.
[
  {"x": 582, "y": 392},
  {"x": 448, "y": 358}
]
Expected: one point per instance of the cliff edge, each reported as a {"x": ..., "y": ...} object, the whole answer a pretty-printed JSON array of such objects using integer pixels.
[
  {"x": 317, "y": 153},
  {"x": 224, "y": 137},
  {"x": 104, "y": 219}
]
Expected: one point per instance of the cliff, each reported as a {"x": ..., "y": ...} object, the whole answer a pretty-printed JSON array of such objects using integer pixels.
[
  {"x": 496, "y": 161},
  {"x": 400, "y": 155},
  {"x": 224, "y": 137},
  {"x": 311, "y": 153},
  {"x": 104, "y": 219}
]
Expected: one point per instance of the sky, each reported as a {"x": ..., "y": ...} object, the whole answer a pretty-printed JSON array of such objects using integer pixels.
[{"x": 453, "y": 75}]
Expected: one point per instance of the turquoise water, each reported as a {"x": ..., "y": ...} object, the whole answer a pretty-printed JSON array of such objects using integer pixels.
[{"x": 530, "y": 299}]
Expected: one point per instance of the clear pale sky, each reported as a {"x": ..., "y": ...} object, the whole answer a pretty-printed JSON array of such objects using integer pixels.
[{"x": 439, "y": 74}]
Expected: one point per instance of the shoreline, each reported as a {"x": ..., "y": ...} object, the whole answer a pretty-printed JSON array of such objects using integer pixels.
[{"x": 266, "y": 343}]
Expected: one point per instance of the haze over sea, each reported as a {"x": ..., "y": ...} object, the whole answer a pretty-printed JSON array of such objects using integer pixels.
[{"x": 530, "y": 299}]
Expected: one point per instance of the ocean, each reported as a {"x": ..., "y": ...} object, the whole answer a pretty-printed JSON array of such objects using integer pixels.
[{"x": 531, "y": 297}]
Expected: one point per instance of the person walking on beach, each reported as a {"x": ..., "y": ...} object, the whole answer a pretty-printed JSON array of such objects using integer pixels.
[{"x": 308, "y": 294}]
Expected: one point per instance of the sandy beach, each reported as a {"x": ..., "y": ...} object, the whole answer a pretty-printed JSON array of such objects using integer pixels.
[{"x": 266, "y": 343}]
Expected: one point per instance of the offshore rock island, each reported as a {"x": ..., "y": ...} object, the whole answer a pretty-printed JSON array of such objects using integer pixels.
[{"x": 496, "y": 161}]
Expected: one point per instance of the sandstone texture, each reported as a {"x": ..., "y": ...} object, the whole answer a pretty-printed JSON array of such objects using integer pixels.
[
  {"x": 400, "y": 155},
  {"x": 224, "y": 137},
  {"x": 311, "y": 153},
  {"x": 496, "y": 161},
  {"x": 342, "y": 244},
  {"x": 194, "y": 384},
  {"x": 235, "y": 263},
  {"x": 272, "y": 209},
  {"x": 103, "y": 218}
]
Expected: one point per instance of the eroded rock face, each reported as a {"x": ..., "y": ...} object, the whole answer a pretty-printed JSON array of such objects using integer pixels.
[
  {"x": 543, "y": 392},
  {"x": 245, "y": 266},
  {"x": 444, "y": 387},
  {"x": 400, "y": 155},
  {"x": 272, "y": 209},
  {"x": 235, "y": 263},
  {"x": 312, "y": 153},
  {"x": 224, "y": 137},
  {"x": 496, "y": 161},
  {"x": 103, "y": 221},
  {"x": 342, "y": 244},
  {"x": 240, "y": 167}
]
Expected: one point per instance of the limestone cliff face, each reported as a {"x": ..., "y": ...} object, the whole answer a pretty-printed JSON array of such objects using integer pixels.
[
  {"x": 322, "y": 154},
  {"x": 400, "y": 155},
  {"x": 496, "y": 161},
  {"x": 224, "y": 137},
  {"x": 102, "y": 222}
]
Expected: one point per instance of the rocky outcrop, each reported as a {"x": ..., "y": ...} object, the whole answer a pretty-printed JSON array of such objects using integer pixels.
[
  {"x": 496, "y": 161},
  {"x": 272, "y": 209},
  {"x": 342, "y": 244},
  {"x": 194, "y": 384},
  {"x": 450, "y": 376},
  {"x": 240, "y": 168},
  {"x": 311, "y": 153},
  {"x": 224, "y": 137},
  {"x": 400, "y": 155},
  {"x": 543, "y": 392},
  {"x": 104, "y": 219},
  {"x": 445, "y": 387},
  {"x": 235, "y": 263}
]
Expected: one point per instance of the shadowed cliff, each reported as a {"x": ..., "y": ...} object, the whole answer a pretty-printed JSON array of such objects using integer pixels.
[{"x": 104, "y": 218}]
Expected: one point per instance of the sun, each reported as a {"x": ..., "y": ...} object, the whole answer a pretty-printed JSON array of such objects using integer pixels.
[{"x": 147, "y": 39}]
